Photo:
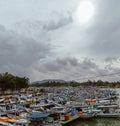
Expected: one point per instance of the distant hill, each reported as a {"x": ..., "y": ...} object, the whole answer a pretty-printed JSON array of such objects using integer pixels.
[{"x": 49, "y": 80}]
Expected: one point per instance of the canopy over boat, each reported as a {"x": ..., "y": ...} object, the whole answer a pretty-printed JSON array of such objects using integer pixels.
[{"x": 38, "y": 115}]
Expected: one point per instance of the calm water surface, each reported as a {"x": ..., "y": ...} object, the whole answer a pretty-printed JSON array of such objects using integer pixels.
[
  {"x": 97, "y": 122},
  {"x": 100, "y": 121}
]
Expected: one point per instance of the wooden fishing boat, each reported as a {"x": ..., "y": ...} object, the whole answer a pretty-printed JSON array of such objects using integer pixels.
[
  {"x": 5, "y": 121},
  {"x": 108, "y": 115},
  {"x": 86, "y": 114},
  {"x": 12, "y": 116},
  {"x": 2, "y": 99}
]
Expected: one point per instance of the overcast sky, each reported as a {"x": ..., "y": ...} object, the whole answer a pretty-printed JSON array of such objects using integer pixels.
[{"x": 48, "y": 39}]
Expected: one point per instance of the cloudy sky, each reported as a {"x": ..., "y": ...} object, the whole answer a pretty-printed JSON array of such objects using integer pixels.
[{"x": 60, "y": 39}]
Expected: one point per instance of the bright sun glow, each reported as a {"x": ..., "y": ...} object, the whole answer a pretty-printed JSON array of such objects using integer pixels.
[{"x": 84, "y": 11}]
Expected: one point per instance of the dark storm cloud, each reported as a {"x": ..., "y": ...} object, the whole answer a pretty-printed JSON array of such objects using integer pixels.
[
  {"x": 88, "y": 64},
  {"x": 69, "y": 68},
  {"x": 20, "y": 51},
  {"x": 61, "y": 64},
  {"x": 22, "y": 48}
]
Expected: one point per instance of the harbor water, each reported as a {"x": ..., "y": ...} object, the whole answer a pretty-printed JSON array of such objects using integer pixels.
[{"x": 99, "y": 121}]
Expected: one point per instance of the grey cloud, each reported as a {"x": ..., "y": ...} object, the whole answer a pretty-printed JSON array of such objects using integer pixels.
[
  {"x": 19, "y": 50},
  {"x": 68, "y": 67},
  {"x": 104, "y": 34},
  {"x": 61, "y": 64},
  {"x": 39, "y": 29},
  {"x": 88, "y": 64},
  {"x": 54, "y": 23},
  {"x": 28, "y": 48},
  {"x": 112, "y": 59},
  {"x": 82, "y": 70},
  {"x": 2, "y": 28},
  {"x": 68, "y": 60}
]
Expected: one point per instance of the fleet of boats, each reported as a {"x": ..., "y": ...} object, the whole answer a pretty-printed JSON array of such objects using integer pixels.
[{"x": 58, "y": 106}]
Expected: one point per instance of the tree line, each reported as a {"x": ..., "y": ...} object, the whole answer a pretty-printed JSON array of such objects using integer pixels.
[
  {"x": 74, "y": 83},
  {"x": 9, "y": 82}
]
